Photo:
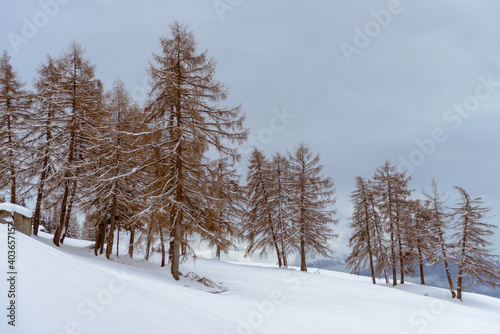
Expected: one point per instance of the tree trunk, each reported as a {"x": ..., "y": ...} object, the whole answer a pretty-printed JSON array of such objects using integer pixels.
[
  {"x": 459, "y": 285},
  {"x": 303, "y": 265},
  {"x": 368, "y": 237},
  {"x": 391, "y": 229},
  {"x": 111, "y": 233},
  {"x": 13, "y": 198},
  {"x": 148, "y": 247},
  {"x": 372, "y": 269},
  {"x": 162, "y": 245},
  {"x": 393, "y": 255},
  {"x": 283, "y": 255},
  {"x": 38, "y": 207},
  {"x": 184, "y": 242},
  {"x": 422, "y": 279},
  {"x": 11, "y": 162},
  {"x": 402, "y": 265},
  {"x": 118, "y": 241},
  {"x": 68, "y": 212},
  {"x": 177, "y": 233},
  {"x": 102, "y": 236},
  {"x": 278, "y": 254},
  {"x": 448, "y": 275},
  {"x": 401, "y": 257},
  {"x": 171, "y": 236},
  {"x": 420, "y": 261},
  {"x": 148, "y": 243},
  {"x": 179, "y": 197},
  {"x": 99, "y": 240},
  {"x": 131, "y": 242},
  {"x": 460, "y": 266},
  {"x": 282, "y": 231},
  {"x": 217, "y": 252},
  {"x": 450, "y": 281},
  {"x": 378, "y": 244},
  {"x": 275, "y": 241},
  {"x": 62, "y": 216},
  {"x": 171, "y": 247}
]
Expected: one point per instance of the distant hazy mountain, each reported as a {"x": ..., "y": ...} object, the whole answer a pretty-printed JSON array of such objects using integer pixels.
[{"x": 434, "y": 275}]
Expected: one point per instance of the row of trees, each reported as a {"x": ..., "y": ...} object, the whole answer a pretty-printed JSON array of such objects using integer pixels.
[
  {"x": 393, "y": 232},
  {"x": 165, "y": 173},
  {"x": 289, "y": 205}
]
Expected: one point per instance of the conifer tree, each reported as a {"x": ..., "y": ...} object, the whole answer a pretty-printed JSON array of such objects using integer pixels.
[
  {"x": 14, "y": 105},
  {"x": 420, "y": 237},
  {"x": 184, "y": 108},
  {"x": 311, "y": 204},
  {"x": 261, "y": 229},
  {"x": 280, "y": 196},
  {"x": 391, "y": 192},
  {"x": 222, "y": 216},
  {"x": 82, "y": 94},
  {"x": 472, "y": 240},
  {"x": 406, "y": 232},
  {"x": 111, "y": 181},
  {"x": 382, "y": 251},
  {"x": 363, "y": 237},
  {"x": 439, "y": 220},
  {"x": 49, "y": 106}
]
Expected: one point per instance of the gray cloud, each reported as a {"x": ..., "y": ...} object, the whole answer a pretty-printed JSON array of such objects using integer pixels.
[{"x": 286, "y": 53}]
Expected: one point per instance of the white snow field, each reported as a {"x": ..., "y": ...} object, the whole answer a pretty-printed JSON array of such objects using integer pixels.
[{"x": 69, "y": 290}]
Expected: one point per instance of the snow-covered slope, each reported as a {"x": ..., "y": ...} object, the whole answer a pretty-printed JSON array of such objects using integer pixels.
[{"x": 68, "y": 290}]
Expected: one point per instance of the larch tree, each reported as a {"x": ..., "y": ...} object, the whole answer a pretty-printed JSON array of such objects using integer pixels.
[
  {"x": 311, "y": 204},
  {"x": 184, "y": 106},
  {"x": 111, "y": 181},
  {"x": 154, "y": 210},
  {"x": 406, "y": 231},
  {"x": 382, "y": 250},
  {"x": 391, "y": 192},
  {"x": 439, "y": 248},
  {"x": 138, "y": 179},
  {"x": 410, "y": 244},
  {"x": 14, "y": 107},
  {"x": 82, "y": 94},
  {"x": 261, "y": 229},
  {"x": 48, "y": 108},
  {"x": 223, "y": 215},
  {"x": 280, "y": 196},
  {"x": 420, "y": 236},
  {"x": 363, "y": 241},
  {"x": 472, "y": 235}
]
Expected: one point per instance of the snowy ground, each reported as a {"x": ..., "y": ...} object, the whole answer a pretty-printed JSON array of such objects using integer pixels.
[{"x": 68, "y": 290}]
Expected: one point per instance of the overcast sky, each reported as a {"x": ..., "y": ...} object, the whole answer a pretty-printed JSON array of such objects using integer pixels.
[{"x": 413, "y": 81}]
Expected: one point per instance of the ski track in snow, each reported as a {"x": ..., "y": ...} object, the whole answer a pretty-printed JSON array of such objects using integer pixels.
[{"x": 69, "y": 290}]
